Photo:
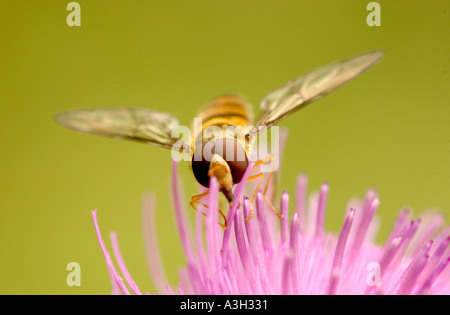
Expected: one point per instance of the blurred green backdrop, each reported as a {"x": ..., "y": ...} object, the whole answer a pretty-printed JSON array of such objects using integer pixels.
[{"x": 389, "y": 129}]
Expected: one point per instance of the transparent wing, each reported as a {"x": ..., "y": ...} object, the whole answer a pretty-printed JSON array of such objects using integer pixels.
[
  {"x": 310, "y": 87},
  {"x": 138, "y": 124}
]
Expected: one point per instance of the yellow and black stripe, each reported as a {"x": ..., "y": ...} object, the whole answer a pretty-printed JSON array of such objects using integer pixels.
[{"x": 225, "y": 110}]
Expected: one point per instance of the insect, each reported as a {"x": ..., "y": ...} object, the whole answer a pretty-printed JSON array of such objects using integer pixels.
[{"x": 155, "y": 127}]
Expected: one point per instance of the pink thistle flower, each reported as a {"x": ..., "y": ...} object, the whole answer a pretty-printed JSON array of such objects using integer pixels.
[
  {"x": 267, "y": 255},
  {"x": 293, "y": 254}
]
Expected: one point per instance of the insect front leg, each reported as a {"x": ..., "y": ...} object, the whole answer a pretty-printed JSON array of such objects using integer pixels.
[
  {"x": 261, "y": 176},
  {"x": 196, "y": 200}
]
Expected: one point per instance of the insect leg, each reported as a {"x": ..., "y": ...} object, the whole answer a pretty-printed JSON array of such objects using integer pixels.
[
  {"x": 267, "y": 198},
  {"x": 196, "y": 200},
  {"x": 225, "y": 224},
  {"x": 261, "y": 177},
  {"x": 262, "y": 161}
]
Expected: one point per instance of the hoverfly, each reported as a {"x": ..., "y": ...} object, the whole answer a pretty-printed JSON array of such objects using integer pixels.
[{"x": 155, "y": 127}]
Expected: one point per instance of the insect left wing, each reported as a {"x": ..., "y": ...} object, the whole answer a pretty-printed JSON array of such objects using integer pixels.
[
  {"x": 143, "y": 125},
  {"x": 310, "y": 87}
]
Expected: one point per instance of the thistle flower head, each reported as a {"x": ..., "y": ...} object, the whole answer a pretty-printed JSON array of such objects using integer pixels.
[{"x": 293, "y": 254}]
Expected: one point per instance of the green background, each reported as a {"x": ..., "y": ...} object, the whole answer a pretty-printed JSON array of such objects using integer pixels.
[{"x": 388, "y": 129}]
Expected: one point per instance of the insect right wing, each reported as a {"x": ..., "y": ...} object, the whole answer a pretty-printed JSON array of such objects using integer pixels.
[
  {"x": 138, "y": 124},
  {"x": 311, "y": 86}
]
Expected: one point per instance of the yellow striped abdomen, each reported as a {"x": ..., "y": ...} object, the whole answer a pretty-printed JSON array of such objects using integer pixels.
[{"x": 226, "y": 110}]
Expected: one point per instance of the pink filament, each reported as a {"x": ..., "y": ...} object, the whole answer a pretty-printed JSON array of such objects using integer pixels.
[{"x": 265, "y": 255}]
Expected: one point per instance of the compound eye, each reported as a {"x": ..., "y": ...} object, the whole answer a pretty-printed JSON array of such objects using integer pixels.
[
  {"x": 200, "y": 167},
  {"x": 236, "y": 159}
]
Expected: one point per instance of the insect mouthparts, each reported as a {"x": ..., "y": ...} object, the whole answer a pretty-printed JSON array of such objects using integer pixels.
[{"x": 229, "y": 195}]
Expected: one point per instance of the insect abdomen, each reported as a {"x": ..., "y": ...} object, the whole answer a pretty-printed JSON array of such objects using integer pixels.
[{"x": 228, "y": 110}]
